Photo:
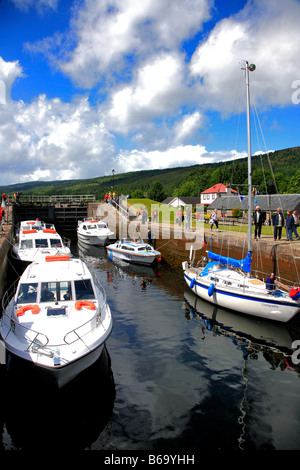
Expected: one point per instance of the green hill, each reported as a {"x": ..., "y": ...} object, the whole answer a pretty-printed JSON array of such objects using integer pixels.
[{"x": 191, "y": 180}]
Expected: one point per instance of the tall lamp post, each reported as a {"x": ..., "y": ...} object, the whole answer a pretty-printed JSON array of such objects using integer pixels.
[{"x": 113, "y": 173}]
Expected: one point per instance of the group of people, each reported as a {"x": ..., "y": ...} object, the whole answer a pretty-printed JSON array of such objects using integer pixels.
[
  {"x": 186, "y": 217},
  {"x": 291, "y": 222},
  {"x": 110, "y": 197}
]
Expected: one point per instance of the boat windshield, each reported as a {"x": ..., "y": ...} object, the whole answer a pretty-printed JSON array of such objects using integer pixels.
[
  {"x": 84, "y": 290},
  {"x": 56, "y": 291},
  {"x": 26, "y": 244},
  {"x": 27, "y": 293},
  {"x": 55, "y": 242},
  {"x": 41, "y": 243}
]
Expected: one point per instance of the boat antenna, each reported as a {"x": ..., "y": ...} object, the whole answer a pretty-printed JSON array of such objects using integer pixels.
[{"x": 248, "y": 67}]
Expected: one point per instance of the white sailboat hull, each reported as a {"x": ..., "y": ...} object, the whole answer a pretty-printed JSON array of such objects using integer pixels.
[{"x": 263, "y": 305}]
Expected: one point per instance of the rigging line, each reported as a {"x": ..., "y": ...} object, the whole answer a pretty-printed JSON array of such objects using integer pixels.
[
  {"x": 293, "y": 257},
  {"x": 255, "y": 119},
  {"x": 267, "y": 152}
]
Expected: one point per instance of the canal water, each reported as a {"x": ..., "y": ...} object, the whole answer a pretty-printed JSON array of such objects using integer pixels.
[{"x": 178, "y": 376}]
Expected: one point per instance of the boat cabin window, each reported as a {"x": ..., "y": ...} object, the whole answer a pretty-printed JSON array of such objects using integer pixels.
[
  {"x": 26, "y": 244},
  {"x": 142, "y": 248},
  {"x": 92, "y": 227},
  {"x": 51, "y": 291},
  {"x": 27, "y": 293},
  {"x": 101, "y": 226},
  {"x": 84, "y": 290},
  {"x": 41, "y": 243},
  {"x": 55, "y": 243}
]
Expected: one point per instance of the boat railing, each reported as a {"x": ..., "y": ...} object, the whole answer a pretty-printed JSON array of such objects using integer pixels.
[
  {"x": 84, "y": 329},
  {"x": 9, "y": 294},
  {"x": 282, "y": 283},
  {"x": 33, "y": 337}
]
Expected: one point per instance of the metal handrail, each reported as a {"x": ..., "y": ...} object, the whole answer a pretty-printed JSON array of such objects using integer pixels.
[{"x": 66, "y": 198}]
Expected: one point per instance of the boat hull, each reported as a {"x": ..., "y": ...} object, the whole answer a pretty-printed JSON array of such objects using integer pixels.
[
  {"x": 263, "y": 306},
  {"x": 66, "y": 369},
  {"x": 93, "y": 240}
]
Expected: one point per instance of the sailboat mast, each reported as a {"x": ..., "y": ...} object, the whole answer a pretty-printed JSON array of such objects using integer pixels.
[{"x": 247, "y": 68}]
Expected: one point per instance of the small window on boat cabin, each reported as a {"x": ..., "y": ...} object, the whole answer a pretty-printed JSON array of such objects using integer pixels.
[
  {"x": 101, "y": 226},
  {"x": 84, "y": 290},
  {"x": 55, "y": 242},
  {"x": 27, "y": 293},
  {"x": 26, "y": 244},
  {"x": 41, "y": 243},
  {"x": 48, "y": 291}
]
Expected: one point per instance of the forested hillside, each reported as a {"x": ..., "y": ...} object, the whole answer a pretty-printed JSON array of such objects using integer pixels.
[{"x": 189, "y": 181}]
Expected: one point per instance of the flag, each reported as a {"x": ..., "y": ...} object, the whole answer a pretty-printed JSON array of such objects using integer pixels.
[
  {"x": 204, "y": 242},
  {"x": 240, "y": 196}
]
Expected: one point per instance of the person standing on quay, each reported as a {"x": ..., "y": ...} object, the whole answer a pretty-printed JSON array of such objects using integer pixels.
[
  {"x": 278, "y": 223},
  {"x": 187, "y": 218},
  {"x": 2, "y": 218},
  {"x": 296, "y": 224},
  {"x": 258, "y": 219},
  {"x": 290, "y": 225}
]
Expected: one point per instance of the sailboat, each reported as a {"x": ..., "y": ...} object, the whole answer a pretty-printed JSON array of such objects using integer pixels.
[{"x": 227, "y": 282}]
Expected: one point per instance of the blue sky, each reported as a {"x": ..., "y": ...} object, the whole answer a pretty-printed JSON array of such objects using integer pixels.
[{"x": 87, "y": 86}]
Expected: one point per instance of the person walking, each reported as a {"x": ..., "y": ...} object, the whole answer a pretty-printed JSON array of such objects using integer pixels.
[
  {"x": 278, "y": 223},
  {"x": 214, "y": 220},
  {"x": 258, "y": 220}
]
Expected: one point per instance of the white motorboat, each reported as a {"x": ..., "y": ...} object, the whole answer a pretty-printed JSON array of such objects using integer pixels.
[
  {"x": 35, "y": 238},
  {"x": 57, "y": 318},
  {"x": 137, "y": 252},
  {"x": 227, "y": 282},
  {"x": 94, "y": 232}
]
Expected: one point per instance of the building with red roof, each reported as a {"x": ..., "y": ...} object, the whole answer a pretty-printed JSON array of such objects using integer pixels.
[{"x": 209, "y": 195}]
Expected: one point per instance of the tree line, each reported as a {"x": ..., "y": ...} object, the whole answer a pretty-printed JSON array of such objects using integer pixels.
[{"x": 184, "y": 181}]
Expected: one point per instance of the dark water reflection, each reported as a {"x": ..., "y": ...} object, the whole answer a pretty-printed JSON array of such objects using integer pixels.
[{"x": 186, "y": 377}]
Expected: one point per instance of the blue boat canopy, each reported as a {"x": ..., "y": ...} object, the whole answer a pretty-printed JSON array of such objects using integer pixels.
[{"x": 244, "y": 264}]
